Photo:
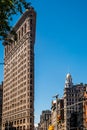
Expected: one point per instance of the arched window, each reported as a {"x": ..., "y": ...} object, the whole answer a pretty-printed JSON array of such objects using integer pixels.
[
  {"x": 22, "y": 31},
  {"x": 19, "y": 35},
  {"x": 25, "y": 28}
]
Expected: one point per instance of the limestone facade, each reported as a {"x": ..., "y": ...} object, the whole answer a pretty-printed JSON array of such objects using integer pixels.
[{"x": 18, "y": 88}]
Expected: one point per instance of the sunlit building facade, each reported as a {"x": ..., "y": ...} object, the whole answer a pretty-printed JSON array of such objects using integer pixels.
[
  {"x": 57, "y": 114},
  {"x": 85, "y": 110},
  {"x": 1, "y": 101},
  {"x": 18, "y": 88}
]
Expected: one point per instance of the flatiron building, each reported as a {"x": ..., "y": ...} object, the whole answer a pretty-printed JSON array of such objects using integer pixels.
[{"x": 18, "y": 86}]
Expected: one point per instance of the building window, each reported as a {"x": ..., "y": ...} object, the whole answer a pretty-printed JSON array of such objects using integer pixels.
[
  {"x": 30, "y": 93},
  {"x": 23, "y": 120},
  {"x": 30, "y": 34},
  {"x": 20, "y": 121},
  {"x": 31, "y": 21},
  {"x": 31, "y": 15},
  {"x": 20, "y": 127},
  {"x": 30, "y": 28},
  {"x": 22, "y": 31},
  {"x": 30, "y": 75},
  {"x": 31, "y": 106},
  {"x": 30, "y": 81},
  {"x": 30, "y": 120},
  {"x": 30, "y": 127},
  {"x": 30, "y": 87},
  {"x": 31, "y": 70},
  {"x": 31, "y": 42},
  {"x": 19, "y": 35},
  {"x": 25, "y": 28},
  {"x": 23, "y": 127},
  {"x": 17, "y": 121}
]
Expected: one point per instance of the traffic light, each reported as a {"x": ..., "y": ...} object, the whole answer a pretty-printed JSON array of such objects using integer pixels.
[{"x": 51, "y": 127}]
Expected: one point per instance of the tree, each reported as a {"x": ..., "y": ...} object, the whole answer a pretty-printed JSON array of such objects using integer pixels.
[{"x": 8, "y": 8}]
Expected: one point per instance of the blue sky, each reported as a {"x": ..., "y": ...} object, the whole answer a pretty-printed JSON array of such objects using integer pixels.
[{"x": 60, "y": 47}]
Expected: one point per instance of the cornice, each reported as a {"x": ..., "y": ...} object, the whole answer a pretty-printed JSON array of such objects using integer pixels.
[{"x": 23, "y": 17}]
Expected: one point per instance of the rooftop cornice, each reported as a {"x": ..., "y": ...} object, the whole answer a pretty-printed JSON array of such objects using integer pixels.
[{"x": 23, "y": 17}]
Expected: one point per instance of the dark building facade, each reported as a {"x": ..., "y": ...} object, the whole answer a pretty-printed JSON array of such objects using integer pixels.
[
  {"x": 73, "y": 104},
  {"x": 82, "y": 116}
]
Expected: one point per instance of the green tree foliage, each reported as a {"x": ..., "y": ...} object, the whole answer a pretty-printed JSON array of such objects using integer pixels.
[{"x": 8, "y": 8}]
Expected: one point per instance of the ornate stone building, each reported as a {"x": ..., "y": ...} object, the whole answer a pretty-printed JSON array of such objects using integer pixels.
[
  {"x": 44, "y": 120},
  {"x": 18, "y": 89},
  {"x": 73, "y": 104}
]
